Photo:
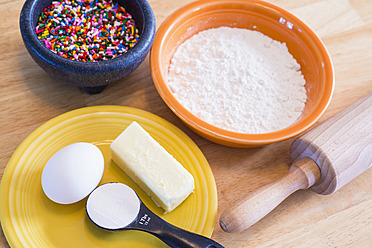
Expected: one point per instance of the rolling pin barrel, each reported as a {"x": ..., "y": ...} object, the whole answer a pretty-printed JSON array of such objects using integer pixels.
[
  {"x": 324, "y": 159},
  {"x": 341, "y": 146}
]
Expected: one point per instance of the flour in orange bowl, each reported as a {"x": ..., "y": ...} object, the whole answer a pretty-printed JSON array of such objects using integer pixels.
[{"x": 238, "y": 80}]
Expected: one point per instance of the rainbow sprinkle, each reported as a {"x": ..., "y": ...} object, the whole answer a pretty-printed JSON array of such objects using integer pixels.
[{"x": 87, "y": 30}]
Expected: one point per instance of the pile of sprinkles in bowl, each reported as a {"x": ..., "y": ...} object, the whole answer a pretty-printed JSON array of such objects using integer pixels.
[{"x": 87, "y": 30}]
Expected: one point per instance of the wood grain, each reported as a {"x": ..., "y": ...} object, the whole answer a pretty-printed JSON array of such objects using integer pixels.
[
  {"x": 341, "y": 146},
  {"x": 325, "y": 158},
  {"x": 251, "y": 208},
  {"x": 29, "y": 97}
]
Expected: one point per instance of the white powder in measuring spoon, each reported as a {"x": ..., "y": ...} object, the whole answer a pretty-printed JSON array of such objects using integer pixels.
[
  {"x": 113, "y": 206},
  {"x": 238, "y": 80}
]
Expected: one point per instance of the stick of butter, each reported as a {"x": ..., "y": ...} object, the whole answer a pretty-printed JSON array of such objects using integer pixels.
[{"x": 148, "y": 164}]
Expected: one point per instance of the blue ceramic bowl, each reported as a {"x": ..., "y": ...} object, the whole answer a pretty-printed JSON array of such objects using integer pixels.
[{"x": 93, "y": 77}]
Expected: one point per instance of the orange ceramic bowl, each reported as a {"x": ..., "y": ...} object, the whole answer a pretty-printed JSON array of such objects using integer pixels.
[{"x": 275, "y": 22}]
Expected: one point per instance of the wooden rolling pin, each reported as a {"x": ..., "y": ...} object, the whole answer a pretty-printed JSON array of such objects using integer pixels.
[{"x": 325, "y": 158}]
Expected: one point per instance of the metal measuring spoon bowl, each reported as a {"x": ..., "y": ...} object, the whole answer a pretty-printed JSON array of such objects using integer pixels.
[{"x": 116, "y": 206}]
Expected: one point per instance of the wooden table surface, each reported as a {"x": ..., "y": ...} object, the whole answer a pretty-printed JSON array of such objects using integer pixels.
[{"x": 29, "y": 97}]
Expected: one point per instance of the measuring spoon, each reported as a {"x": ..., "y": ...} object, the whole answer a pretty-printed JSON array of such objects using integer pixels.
[{"x": 116, "y": 206}]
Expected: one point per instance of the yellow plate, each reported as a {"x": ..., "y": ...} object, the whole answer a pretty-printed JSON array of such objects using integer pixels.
[{"x": 30, "y": 219}]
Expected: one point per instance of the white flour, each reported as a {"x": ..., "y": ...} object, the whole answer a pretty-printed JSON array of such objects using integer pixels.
[
  {"x": 239, "y": 80},
  {"x": 113, "y": 206}
]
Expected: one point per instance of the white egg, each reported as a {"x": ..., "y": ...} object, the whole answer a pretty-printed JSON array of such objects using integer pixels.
[{"x": 72, "y": 173}]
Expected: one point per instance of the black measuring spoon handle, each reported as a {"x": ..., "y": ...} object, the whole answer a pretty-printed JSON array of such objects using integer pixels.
[
  {"x": 171, "y": 235},
  {"x": 176, "y": 237}
]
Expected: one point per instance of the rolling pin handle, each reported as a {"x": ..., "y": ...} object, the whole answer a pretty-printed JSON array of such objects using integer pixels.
[{"x": 257, "y": 204}]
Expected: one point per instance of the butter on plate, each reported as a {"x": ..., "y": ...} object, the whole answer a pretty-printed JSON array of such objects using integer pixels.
[{"x": 148, "y": 164}]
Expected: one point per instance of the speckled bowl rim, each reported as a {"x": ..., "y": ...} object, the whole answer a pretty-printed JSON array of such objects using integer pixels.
[
  {"x": 80, "y": 67},
  {"x": 214, "y": 133}
]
